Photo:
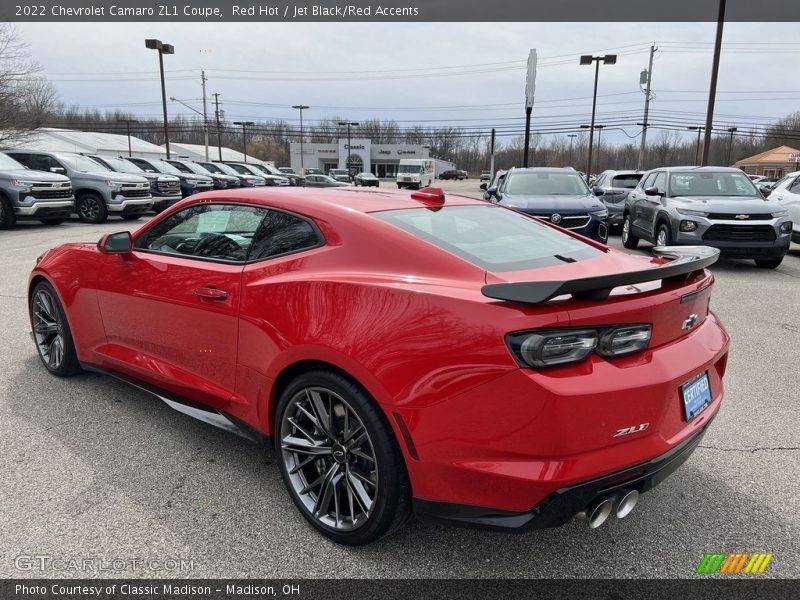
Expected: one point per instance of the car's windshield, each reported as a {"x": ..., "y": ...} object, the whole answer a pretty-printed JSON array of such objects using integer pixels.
[
  {"x": 82, "y": 163},
  {"x": 491, "y": 237},
  {"x": 711, "y": 184},
  {"x": 338, "y": 171},
  {"x": 409, "y": 169},
  {"x": 6, "y": 162},
  {"x": 628, "y": 182},
  {"x": 365, "y": 175},
  {"x": 195, "y": 168},
  {"x": 212, "y": 168},
  {"x": 164, "y": 167},
  {"x": 121, "y": 165},
  {"x": 545, "y": 184},
  {"x": 243, "y": 170}
]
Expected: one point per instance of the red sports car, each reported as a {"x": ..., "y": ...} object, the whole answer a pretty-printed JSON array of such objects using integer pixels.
[{"x": 402, "y": 351}]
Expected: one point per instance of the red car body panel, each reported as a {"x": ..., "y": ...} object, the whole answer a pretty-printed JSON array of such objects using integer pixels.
[{"x": 407, "y": 320}]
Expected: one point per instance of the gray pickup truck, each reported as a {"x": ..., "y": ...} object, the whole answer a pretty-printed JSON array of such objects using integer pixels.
[
  {"x": 28, "y": 194},
  {"x": 99, "y": 192}
]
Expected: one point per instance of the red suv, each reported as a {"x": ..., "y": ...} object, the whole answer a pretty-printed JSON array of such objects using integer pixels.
[{"x": 453, "y": 174}]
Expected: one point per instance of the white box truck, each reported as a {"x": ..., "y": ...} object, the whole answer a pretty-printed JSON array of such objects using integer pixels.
[{"x": 415, "y": 173}]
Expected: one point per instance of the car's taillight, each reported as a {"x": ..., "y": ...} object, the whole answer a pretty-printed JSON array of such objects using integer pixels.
[{"x": 553, "y": 347}]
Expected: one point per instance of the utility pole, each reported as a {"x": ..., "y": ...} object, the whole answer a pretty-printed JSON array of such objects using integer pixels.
[
  {"x": 697, "y": 149},
  {"x": 205, "y": 110},
  {"x": 731, "y": 130},
  {"x": 301, "y": 108},
  {"x": 712, "y": 92},
  {"x": 216, "y": 113},
  {"x": 128, "y": 129},
  {"x": 649, "y": 75},
  {"x": 588, "y": 59},
  {"x": 162, "y": 49},
  {"x": 491, "y": 154},
  {"x": 244, "y": 125},
  {"x": 571, "y": 137}
]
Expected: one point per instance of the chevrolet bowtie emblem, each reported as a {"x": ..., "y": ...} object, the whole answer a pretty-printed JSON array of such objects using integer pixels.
[{"x": 741, "y": 217}]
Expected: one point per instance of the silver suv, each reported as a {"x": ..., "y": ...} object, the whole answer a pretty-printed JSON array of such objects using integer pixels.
[
  {"x": 712, "y": 206},
  {"x": 27, "y": 194},
  {"x": 99, "y": 191},
  {"x": 616, "y": 186}
]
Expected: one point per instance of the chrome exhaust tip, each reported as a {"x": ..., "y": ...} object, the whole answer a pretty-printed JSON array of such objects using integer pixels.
[
  {"x": 598, "y": 512},
  {"x": 627, "y": 503}
]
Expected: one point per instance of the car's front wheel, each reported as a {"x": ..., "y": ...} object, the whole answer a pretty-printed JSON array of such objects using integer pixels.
[
  {"x": 339, "y": 459},
  {"x": 51, "y": 332},
  {"x": 91, "y": 208},
  {"x": 7, "y": 217},
  {"x": 769, "y": 263},
  {"x": 663, "y": 235},
  {"x": 628, "y": 239}
]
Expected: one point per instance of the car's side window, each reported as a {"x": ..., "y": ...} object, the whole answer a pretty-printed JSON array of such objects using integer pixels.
[
  {"x": 660, "y": 182},
  {"x": 795, "y": 187},
  {"x": 648, "y": 181},
  {"x": 282, "y": 233},
  {"x": 209, "y": 231}
]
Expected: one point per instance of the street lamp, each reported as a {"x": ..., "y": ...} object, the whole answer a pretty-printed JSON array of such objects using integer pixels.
[
  {"x": 349, "y": 124},
  {"x": 202, "y": 114},
  {"x": 162, "y": 49},
  {"x": 697, "y": 150},
  {"x": 571, "y": 137},
  {"x": 301, "y": 108},
  {"x": 731, "y": 130},
  {"x": 588, "y": 59},
  {"x": 244, "y": 125},
  {"x": 128, "y": 130}
]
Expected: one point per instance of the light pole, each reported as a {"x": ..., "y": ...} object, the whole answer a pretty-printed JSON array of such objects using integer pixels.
[
  {"x": 588, "y": 59},
  {"x": 162, "y": 49},
  {"x": 244, "y": 125},
  {"x": 697, "y": 150},
  {"x": 731, "y": 130},
  {"x": 301, "y": 108},
  {"x": 128, "y": 130},
  {"x": 599, "y": 133},
  {"x": 349, "y": 124},
  {"x": 712, "y": 90},
  {"x": 202, "y": 114},
  {"x": 571, "y": 137}
]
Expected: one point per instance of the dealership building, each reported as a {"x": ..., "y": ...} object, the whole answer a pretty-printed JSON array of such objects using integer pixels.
[{"x": 379, "y": 159}]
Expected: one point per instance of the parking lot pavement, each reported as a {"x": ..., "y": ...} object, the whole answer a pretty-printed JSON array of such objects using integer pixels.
[{"x": 92, "y": 468}]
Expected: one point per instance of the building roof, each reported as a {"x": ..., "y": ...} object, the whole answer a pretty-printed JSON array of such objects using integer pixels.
[
  {"x": 778, "y": 155},
  {"x": 68, "y": 140},
  {"x": 198, "y": 152}
]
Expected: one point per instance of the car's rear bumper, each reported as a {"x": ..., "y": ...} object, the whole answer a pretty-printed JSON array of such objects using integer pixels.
[{"x": 563, "y": 504}]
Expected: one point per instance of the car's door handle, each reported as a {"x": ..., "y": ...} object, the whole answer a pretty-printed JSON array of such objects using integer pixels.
[{"x": 210, "y": 293}]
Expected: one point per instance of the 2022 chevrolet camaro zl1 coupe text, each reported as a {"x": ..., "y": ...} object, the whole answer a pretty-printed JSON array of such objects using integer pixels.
[{"x": 403, "y": 351}]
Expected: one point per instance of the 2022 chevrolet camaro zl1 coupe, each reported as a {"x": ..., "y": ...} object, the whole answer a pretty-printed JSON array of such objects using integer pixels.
[{"x": 402, "y": 351}]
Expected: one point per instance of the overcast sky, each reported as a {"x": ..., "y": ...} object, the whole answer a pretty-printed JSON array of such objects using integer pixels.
[{"x": 397, "y": 71}]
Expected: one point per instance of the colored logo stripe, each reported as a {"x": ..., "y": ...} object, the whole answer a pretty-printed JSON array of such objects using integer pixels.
[{"x": 734, "y": 563}]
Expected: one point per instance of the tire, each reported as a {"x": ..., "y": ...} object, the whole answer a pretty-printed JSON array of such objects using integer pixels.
[
  {"x": 628, "y": 239},
  {"x": 8, "y": 220},
  {"x": 131, "y": 217},
  {"x": 663, "y": 235},
  {"x": 52, "y": 221},
  {"x": 399, "y": 187},
  {"x": 51, "y": 332},
  {"x": 769, "y": 263},
  {"x": 364, "y": 487},
  {"x": 91, "y": 208}
]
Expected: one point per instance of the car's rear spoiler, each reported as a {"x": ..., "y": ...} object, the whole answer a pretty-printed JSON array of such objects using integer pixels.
[{"x": 685, "y": 260}]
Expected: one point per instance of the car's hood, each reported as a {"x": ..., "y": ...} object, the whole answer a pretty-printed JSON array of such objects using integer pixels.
[
  {"x": 725, "y": 204},
  {"x": 195, "y": 177},
  {"x": 159, "y": 177},
  {"x": 114, "y": 176},
  {"x": 33, "y": 175},
  {"x": 561, "y": 204}
]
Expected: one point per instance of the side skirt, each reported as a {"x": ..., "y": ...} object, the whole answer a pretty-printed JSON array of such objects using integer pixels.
[{"x": 194, "y": 409}]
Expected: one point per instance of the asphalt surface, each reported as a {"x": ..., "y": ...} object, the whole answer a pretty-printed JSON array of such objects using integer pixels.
[{"x": 94, "y": 469}]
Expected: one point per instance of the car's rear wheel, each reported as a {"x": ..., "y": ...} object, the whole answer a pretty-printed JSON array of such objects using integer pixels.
[
  {"x": 628, "y": 239},
  {"x": 769, "y": 263},
  {"x": 8, "y": 219},
  {"x": 339, "y": 459},
  {"x": 51, "y": 332},
  {"x": 91, "y": 208},
  {"x": 663, "y": 235}
]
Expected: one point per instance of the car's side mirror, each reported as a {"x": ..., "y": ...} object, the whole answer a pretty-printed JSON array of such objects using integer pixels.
[
  {"x": 483, "y": 186},
  {"x": 652, "y": 191},
  {"x": 59, "y": 170},
  {"x": 116, "y": 243},
  {"x": 598, "y": 191}
]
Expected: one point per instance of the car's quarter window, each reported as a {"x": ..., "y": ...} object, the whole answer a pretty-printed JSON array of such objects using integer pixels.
[
  {"x": 283, "y": 233},
  {"x": 491, "y": 237},
  {"x": 208, "y": 231}
]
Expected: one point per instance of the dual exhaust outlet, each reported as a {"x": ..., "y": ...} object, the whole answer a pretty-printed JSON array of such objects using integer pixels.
[{"x": 599, "y": 509}]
